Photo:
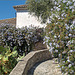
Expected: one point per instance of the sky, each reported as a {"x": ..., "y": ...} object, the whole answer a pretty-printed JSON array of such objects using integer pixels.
[{"x": 6, "y": 8}]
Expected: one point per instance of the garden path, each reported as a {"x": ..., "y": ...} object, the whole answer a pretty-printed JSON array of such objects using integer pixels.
[{"x": 45, "y": 68}]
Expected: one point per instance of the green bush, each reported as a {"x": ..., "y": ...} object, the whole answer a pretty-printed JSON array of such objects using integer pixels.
[{"x": 7, "y": 60}]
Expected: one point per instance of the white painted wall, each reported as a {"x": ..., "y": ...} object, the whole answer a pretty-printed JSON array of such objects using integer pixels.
[{"x": 25, "y": 19}]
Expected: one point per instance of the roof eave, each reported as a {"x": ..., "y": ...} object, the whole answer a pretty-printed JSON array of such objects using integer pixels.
[{"x": 20, "y": 8}]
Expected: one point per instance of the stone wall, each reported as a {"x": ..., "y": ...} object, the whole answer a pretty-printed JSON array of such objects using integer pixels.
[{"x": 29, "y": 60}]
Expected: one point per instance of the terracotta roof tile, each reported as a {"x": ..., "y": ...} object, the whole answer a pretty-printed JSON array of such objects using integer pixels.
[
  {"x": 20, "y": 7},
  {"x": 9, "y": 21}
]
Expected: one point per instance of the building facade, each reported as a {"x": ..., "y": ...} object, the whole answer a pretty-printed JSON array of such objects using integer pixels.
[{"x": 24, "y": 18}]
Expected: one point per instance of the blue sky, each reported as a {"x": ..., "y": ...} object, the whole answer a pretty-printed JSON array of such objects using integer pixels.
[{"x": 6, "y": 8}]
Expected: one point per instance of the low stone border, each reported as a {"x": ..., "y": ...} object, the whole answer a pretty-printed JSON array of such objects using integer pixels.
[{"x": 29, "y": 60}]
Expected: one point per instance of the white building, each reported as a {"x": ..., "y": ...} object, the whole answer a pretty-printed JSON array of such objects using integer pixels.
[{"x": 23, "y": 18}]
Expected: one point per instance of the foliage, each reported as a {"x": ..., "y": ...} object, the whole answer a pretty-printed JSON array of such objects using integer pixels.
[
  {"x": 24, "y": 38},
  {"x": 60, "y": 34},
  {"x": 40, "y": 8},
  {"x": 7, "y": 60},
  {"x": 15, "y": 43}
]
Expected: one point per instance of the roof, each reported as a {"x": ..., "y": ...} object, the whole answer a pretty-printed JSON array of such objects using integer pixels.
[
  {"x": 20, "y": 7},
  {"x": 9, "y": 21}
]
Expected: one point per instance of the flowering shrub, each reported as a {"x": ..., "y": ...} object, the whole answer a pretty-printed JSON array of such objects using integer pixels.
[
  {"x": 15, "y": 44},
  {"x": 23, "y": 38},
  {"x": 60, "y": 34}
]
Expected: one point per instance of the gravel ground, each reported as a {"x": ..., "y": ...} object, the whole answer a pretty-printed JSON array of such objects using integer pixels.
[{"x": 45, "y": 68}]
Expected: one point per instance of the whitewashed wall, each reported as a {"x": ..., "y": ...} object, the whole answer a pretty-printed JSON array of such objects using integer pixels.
[{"x": 25, "y": 19}]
